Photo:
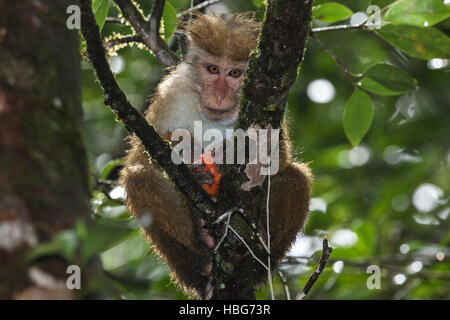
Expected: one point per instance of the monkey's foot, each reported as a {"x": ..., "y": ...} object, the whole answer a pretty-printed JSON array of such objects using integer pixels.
[{"x": 205, "y": 237}]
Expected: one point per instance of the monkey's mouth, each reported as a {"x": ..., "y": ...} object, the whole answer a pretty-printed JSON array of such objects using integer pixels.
[
  {"x": 221, "y": 116},
  {"x": 217, "y": 112}
]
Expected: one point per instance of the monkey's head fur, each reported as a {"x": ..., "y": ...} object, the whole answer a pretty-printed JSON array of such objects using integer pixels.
[
  {"x": 217, "y": 50},
  {"x": 228, "y": 36}
]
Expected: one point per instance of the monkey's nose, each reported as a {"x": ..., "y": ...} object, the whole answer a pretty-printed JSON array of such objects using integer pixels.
[
  {"x": 219, "y": 98},
  {"x": 221, "y": 90}
]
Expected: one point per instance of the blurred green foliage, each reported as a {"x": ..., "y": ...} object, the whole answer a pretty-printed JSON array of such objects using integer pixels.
[{"x": 382, "y": 201}]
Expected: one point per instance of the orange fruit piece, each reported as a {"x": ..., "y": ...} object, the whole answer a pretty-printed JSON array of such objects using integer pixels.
[{"x": 208, "y": 160}]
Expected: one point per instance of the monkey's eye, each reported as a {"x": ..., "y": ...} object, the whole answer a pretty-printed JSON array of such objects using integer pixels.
[
  {"x": 235, "y": 73},
  {"x": 212, "y": 68}
]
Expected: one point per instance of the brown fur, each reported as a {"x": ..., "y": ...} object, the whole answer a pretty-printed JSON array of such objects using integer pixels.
[
  {"x": 225, "y": 36},
  {"x": 172, "y": 231}
]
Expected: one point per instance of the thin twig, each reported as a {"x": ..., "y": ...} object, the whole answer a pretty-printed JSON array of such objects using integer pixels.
[
  {"x": 123, "y": 40},
  {"x": 395, "y": 260},
  {"x": 285, "y": 285},
  {"x": 200, "y": 6},
  {"x": 114, "y": 20},
  {"x": 323, "y": 261},
  {"x": 335, "y": 58},
  {"x": 262, "y": 243},
  {"x": 230, "y": 213},
  {"x": 226, "y": 214},
  {"x": 269, "y": 275},
  {"x": 339, "y": 28},
  {"x": 254, "y": 229},
  {"x": 248, "y": 248},
  {"x": 155, "y": 17},
  {"x": 149, "y": 30}
]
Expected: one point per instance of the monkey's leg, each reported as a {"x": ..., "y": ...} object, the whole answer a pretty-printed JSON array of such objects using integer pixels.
[
  {"x": 150, "y": 192},
  {"x": 171, "y": 230},
  {"x": 289, "y": 202},
  {"x": 189, "y": 268}
]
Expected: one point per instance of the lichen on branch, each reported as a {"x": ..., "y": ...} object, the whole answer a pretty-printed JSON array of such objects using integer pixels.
[
  {"x": 148, "y": 31},
  {"x": 273, "y": 69},
  {"x": 273, "y": 65}
]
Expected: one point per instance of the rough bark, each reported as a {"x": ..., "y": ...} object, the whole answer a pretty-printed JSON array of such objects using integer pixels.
[
  {"x": 273, "y": 69},
  {"x": 43, "y": 164}
]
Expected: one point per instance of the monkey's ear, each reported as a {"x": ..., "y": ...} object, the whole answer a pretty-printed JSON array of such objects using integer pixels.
[{"x": 183, "y": 42}]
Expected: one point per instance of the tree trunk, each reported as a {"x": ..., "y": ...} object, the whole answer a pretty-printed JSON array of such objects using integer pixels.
[
  {"x": 272, "y": 70},
  {"x": 43, "y": 164}
]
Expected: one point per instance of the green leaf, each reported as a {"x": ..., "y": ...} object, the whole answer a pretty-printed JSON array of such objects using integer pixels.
[
  {"x": 331, "y": 12},
  {"x": 377, "y": 88},
  {"x": 170, "y": 20},
  {"x": 387, "y": 80},
  {"x": 421, "y": 13},
  {"x": 366, "y": 239},
  {"x": 109, "y": 167},
  {"x": 63, "y": 244},
  {"x": 133, "y": 247},
  {"x": 381, "y": 3},
  {"x": 258, "y": 3},
  {"x": 101, "y": 236},
  {"x": 358, "y": 116},
  {"x": 100, "y": 9},
  {"x": 422, "y": 43}
]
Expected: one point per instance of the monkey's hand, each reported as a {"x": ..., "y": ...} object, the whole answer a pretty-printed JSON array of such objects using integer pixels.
[
  {"x": 207, "y": 173},
  {"x": 201, "y": 174}
]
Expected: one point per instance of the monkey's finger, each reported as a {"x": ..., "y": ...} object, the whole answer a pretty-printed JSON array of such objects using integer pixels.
[{"x": 204, "y": 177}]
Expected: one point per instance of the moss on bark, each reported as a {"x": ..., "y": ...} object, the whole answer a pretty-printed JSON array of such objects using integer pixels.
[{"x": 273, "y": 69}]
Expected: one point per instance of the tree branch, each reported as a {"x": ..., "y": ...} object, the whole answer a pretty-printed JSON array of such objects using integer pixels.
[
  {"x": 312, "y": 280},
  {"x": 159, "y": 150},
  {"x": 114, "y": 20},
  {"x": 149, "y": 31},
  {"x": 339, "y": 28},
  {"x": 273, "y": 65},
  {"x": 335, "y": 58},
  {"x": 271, "y": 72},
  {"x": 200, "y": 6},
  {"x": 155, "y": 17},
  {"x": 285, "y": 285},
  {"x": 122, "y": 40}
]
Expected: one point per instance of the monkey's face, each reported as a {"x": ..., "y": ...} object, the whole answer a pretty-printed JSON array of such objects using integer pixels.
[{"x": 220, "y": 95}]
